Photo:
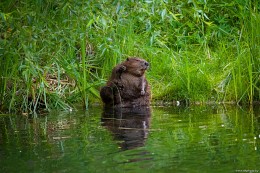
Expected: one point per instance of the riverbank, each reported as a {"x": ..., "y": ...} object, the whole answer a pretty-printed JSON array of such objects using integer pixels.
[{"x": 56, "y": 54}]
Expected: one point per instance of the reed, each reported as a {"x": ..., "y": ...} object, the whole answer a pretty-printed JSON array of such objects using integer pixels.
[{"x": 245, "y": 62}]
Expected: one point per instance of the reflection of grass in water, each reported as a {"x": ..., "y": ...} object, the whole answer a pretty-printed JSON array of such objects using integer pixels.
[
  {"x": 204, "y": 137},
  {"x": 55, "y": 54},
  {"x": 193, "y": 139}
]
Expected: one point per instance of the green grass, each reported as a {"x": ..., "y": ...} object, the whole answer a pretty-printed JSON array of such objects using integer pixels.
[{"x": 56, "y": 54}]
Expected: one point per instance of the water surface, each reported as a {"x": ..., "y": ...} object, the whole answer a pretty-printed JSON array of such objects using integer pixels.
[{"x": 160, "y": 139}]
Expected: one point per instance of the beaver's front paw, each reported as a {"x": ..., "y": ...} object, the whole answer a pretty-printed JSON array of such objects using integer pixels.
[{"x": 121, "y": 69}]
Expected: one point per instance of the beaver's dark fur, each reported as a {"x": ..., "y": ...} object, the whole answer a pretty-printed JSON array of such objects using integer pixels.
[{"x": 127, "y": 86}]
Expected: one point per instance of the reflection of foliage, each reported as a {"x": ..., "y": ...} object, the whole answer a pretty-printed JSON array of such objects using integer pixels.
[
  {"x": 197, "y": 135},
  {"x": 209, "y": 139}
]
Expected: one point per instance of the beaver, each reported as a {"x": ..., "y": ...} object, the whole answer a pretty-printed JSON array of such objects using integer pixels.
[{"x": 127, "y": 86}]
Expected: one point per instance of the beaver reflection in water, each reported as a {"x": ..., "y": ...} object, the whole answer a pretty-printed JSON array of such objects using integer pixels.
[
  {"x": 129, "y": 126},
  {"x": 127, "y": 86}
]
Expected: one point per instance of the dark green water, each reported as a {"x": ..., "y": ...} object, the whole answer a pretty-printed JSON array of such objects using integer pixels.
[{"x": 163, "y": 139}]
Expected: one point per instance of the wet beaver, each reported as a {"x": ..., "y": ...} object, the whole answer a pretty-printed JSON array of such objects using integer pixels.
[{"x": 127, "y": 86}]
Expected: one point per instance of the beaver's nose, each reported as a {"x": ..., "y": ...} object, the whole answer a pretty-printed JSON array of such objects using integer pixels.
[{"x": 146, "y": 63}]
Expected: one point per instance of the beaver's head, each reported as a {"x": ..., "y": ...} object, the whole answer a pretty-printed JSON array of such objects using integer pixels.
[{"x": 136, "y": 66}]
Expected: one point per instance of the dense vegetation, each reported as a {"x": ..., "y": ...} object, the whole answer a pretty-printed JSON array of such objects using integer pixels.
[{"x": 58, "y": 53}]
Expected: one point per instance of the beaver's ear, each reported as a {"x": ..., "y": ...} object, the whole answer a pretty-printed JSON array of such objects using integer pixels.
[{"x": 127, "y": 59}]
